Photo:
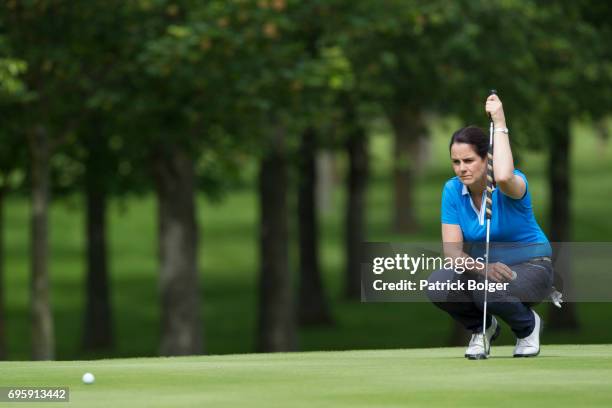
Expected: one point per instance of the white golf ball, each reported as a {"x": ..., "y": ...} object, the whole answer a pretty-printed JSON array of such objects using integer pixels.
[{"x": 88, "y": 378}]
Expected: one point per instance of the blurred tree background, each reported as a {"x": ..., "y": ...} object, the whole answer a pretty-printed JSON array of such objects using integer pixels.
[{"x": 184, "y": 177}]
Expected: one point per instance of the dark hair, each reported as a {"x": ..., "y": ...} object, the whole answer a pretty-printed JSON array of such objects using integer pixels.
[{"x": 472, "y": 135}]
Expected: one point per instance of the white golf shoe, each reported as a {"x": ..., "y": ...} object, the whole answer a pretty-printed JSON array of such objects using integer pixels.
[
  {"x": 477, "y": 349},
  {"x": 530, "y": 346}
]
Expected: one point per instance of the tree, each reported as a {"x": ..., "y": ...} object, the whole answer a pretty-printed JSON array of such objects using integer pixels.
[
  {"x": 357, "y": 149},
  {"x": 32, "y": 30},
  {"x": 78, "y": 69},
  {"x": 313, "y": 307},
  {"x": 578, "y": 66},
  {"x": 187, "y": 90},
  {"x": 98, "y": 53},
  {"x": 396, "y": 53},
  {"x": 154, "y": 103},
  {"x": 12, "y": 161}
]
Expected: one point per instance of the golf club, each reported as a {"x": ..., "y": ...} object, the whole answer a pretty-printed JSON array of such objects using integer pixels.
[{"x": 488, "y": 213}]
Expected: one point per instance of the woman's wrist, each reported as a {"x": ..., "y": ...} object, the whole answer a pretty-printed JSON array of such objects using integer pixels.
[{"x": 477, "y": 270}]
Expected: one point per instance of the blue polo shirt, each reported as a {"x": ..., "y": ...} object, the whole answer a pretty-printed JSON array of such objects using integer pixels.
[{"x": 515, "y": 235}]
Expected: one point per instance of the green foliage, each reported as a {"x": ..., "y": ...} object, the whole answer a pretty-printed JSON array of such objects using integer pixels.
[
  {"x": 13, "y": 93},
  {"x": 546, "y": 60},
  {"x": 216, "y": 77},
  {"x": 11, "y": 86}
]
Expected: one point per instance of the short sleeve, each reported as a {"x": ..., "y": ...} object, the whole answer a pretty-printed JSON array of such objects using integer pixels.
[
  {"x": 525, "y": 198},
  {"x": 450, "y": 214}
]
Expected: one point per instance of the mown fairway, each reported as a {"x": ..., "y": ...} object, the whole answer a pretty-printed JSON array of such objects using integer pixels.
[{"x": 560, "y": 376}]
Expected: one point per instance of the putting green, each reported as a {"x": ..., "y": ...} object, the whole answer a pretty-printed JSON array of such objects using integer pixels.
[{"x": 569, "y": 375}]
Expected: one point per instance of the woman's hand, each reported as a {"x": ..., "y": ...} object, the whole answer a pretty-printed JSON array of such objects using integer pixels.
[
  {"x": 494, "y": 108},
  {"x": 499, "y": 272}
]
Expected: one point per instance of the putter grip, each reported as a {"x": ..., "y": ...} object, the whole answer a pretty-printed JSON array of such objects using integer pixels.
[
  {"x": 489, "y": 199},
  {"x": 489, "y": 194}
]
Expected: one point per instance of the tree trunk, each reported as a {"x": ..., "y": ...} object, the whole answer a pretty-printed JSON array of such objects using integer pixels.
[
  {"x": 3, "y": 351},
  {"x": 357, "y": 147},
  {"x": 98, "y": 334},
  {"x": 276, "y": 326},
  {"x": 43, "y": 341},
  {"x": 326, "y": 181},
  {"x": 408, "y": 130},
  {"x": 313, "y": 306},
  {"x": 559, "y": 175},
  {"x": 181, "y": 324}
]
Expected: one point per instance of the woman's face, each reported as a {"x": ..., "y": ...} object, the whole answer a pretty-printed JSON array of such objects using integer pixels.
[{"x": 467, "y": 164}]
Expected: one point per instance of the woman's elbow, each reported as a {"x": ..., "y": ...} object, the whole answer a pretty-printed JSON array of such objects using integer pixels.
[{"x": 504, "y": 178}]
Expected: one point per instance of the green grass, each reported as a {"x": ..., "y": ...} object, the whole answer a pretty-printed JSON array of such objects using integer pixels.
[
  {"x": 568, "y": 375},
  {"x": 229, "y": 262}
]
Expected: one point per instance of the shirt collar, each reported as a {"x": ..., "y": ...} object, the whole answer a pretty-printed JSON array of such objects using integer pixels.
[
  {"x": 464, "y": 189},
  {"x": 481, "y": 213}
]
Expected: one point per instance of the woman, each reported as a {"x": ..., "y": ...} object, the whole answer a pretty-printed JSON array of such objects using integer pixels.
[{"x": 520, "y": 252}]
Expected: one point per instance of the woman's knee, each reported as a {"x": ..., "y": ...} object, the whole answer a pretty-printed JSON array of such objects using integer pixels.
[{"x": 434, "y": 294}]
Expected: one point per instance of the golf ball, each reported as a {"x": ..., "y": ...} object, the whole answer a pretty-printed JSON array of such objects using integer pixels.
[{"x": 88, "y": 378}]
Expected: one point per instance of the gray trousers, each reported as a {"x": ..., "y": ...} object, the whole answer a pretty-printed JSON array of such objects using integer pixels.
[{"x": 532, "y": 285}]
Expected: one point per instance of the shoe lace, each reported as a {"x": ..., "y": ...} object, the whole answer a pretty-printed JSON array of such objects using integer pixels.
[{"x": 477, "y": 338}]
